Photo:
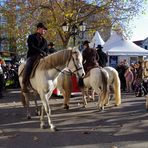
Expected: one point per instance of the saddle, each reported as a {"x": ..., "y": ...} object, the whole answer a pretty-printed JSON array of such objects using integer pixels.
[
  {"x": 36, "y": 63},
  {"x": 87, "y": 73}
]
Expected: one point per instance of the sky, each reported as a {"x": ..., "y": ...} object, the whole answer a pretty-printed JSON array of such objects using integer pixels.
[{"x": 140, "y": 27}]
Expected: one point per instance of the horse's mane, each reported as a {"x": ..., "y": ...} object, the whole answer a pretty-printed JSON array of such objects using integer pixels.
[{"x": 56, "y": 59}]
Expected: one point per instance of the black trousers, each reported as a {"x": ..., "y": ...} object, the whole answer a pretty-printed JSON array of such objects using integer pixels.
[{"x": 28, "y": 69}]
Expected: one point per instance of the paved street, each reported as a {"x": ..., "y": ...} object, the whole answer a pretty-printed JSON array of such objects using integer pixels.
[{"x": 125, "y": 126}]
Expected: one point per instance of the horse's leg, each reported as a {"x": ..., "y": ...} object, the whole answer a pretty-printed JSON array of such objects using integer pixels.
[
  {"x": 93, "y": 95},
  {"x": 106, "y": 102},
  {"x": 84, "y": 96},
  {"x": 27, "y": 95},
  {"x": 36, "y": 105},
  {"x": 101, "y": 99},
  {"x": 67, "y": 99},
  {"x": 45, "y": 101},
  {"x": 42, "y": 120},
  {"x": 67, "y": 86}
]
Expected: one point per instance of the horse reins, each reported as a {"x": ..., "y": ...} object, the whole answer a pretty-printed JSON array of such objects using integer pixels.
[{"x": 77, "y": 68}]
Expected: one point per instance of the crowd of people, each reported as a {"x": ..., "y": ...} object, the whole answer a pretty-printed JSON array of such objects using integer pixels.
[{"x": 131, "y": 77}]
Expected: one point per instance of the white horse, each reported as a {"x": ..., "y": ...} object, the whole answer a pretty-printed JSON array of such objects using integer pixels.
[
  {"x": 98, "y": 81},
  {"x": 113, "y": 83},
  {"x": 45, "y": 77}
]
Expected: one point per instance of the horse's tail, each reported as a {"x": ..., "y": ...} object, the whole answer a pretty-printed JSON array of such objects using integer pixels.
[
  {"x": 116, "y": 86},
  {"x": 23, "y": 99},
  {"x": 104, "y": 75}
]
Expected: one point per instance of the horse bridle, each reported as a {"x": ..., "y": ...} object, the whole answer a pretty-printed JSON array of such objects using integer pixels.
[{"x": 76, "y": 67}]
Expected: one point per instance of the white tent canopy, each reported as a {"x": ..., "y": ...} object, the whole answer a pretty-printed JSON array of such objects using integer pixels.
[
  {"x": 117, "y": 44},
  {"x": 96, "y": 40}
]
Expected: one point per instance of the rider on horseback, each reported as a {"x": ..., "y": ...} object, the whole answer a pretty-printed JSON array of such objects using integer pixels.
[
  {"x": 37, "y": 48},
  {"x": 90, "y": 59}
]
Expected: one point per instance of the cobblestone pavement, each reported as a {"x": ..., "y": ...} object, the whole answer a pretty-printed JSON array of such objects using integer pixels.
[{"x": 125, "y": 126}]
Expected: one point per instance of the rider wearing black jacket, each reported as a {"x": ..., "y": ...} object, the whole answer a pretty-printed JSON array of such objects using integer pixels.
[
  {"x": 37, "y": 48},
  {"x": 103, "y": 59}
]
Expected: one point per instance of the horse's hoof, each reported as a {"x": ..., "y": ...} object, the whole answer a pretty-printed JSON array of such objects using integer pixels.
[
  {"x": 66, "y": 106},
  {"x": 117, "y": 104},
  {"x": 43, "y": 126},
  {"x": 83, "y": 106},
  {"x": 54, "y": 129},
  {"x": 106, "y": 104},
  {"x": 37, "y": 113},
  {"x": 28, "y": 117},
  {"x": 100, "y": 109}
]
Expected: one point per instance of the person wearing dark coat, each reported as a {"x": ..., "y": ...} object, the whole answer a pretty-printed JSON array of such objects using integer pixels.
[
  {"x": 90, "y": 57},
  {"x": 51, "y": 48},
  {"x": 37, "y": 48},
  {"x": 103, "y": 59}
]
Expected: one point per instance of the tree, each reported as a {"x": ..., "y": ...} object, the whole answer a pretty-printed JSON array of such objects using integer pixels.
[{"x": 101, "y": 15}]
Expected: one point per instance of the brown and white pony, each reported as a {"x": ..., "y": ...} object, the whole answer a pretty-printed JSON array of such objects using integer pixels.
[{"x": 45, "y": 78}]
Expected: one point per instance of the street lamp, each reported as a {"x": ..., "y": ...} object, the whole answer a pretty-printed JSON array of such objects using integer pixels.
[{"x": 75, "y": 30}]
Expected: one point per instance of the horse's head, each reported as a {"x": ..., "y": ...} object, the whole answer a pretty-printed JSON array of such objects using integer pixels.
[{"x": 75, "y": 63}]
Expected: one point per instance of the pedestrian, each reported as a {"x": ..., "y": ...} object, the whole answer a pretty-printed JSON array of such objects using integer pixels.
[
  {"x": 129, "y": 77},
  {"x": 103, "y": 59},
  {"x": 37, "y": 48},
  {"x": 121, "y": 68},
  {"x": 90, "y": 57},
  {"x": 51, "y": 48}
]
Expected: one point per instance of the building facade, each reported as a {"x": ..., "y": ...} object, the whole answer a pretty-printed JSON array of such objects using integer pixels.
[{"x": 142, "y": 43}]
